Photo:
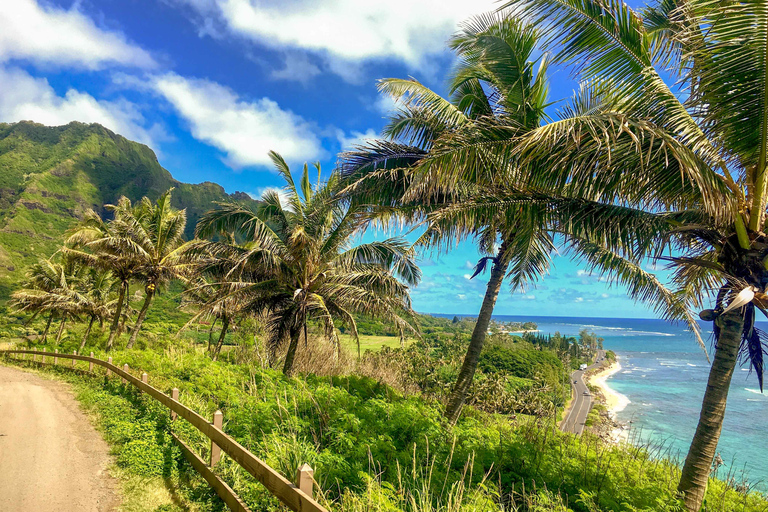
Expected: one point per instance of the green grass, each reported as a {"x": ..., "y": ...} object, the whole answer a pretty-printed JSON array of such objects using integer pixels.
[{"x": 371, "y": 342}]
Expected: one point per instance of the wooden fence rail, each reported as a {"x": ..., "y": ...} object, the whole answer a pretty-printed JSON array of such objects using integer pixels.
[{"x": 297, "y": 499}]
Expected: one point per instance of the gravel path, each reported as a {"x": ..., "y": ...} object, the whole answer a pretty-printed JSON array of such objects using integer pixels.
[{"x": 51, "y": 458}]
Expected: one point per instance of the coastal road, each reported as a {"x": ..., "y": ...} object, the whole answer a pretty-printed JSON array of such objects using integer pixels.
[
  {"x": 581, "y": 404},
  {"x": 52, "y": 458}
]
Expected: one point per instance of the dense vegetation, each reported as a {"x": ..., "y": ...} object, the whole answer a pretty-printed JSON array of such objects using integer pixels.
[{"x": 373, "y": 447}]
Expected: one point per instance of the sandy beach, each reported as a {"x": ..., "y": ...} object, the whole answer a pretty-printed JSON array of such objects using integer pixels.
[{"x": 613, "y": 401}]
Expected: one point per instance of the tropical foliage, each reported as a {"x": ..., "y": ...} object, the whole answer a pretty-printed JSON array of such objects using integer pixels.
[{"x": 292, "y": 258}]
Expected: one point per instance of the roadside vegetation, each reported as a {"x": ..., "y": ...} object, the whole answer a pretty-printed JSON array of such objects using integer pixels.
[{"x": 373, "y": 447}]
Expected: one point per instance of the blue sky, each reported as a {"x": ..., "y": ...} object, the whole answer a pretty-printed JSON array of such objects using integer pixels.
[{"x": 213, "y": 85}]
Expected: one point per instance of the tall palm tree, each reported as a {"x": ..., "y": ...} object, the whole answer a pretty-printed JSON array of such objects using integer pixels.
[
  {"x": 497, "y": 93},
  {"x": 141, "y": 242},
  {"x": 100, "y": 245},
  {"x": 156, "y": 235},
  {"x": 696, "y": 161},
  {"x": 297, "y": 263}
]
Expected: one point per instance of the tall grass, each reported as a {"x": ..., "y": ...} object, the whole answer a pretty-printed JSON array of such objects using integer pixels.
[{"x": 375, "y": 448}]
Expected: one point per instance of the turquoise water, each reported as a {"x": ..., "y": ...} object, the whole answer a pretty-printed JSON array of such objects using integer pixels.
[{"x": 664, "y": 375}]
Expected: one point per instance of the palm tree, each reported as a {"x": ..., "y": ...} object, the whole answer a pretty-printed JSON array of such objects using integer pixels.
[
  {"x": 497, "y": 93},
  {"x": 46, "y": 289},
  {"x": 100, "y": 245},
  {"x": 142, "y": 243},
  {"x": 156, "y": 235},
  {"x": 41, "y": 279},
  {"x": 93, "y": 298},
  {"x": 296, "y": 261},
  {"x": 212, "y": 298},
  {"x": 693, "y": 163}
]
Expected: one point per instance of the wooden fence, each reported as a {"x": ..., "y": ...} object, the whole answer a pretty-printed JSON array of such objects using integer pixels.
[{"x": 296, "y": 497}]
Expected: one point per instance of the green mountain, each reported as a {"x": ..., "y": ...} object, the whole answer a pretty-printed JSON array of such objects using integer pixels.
[{"x": 50, "y": 175}]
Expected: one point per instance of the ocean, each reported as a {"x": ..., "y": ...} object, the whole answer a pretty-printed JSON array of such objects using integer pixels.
[{"x": 663, "y": 377}]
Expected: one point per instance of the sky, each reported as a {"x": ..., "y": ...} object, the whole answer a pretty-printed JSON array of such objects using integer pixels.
[{"x": 213, "y": 85}]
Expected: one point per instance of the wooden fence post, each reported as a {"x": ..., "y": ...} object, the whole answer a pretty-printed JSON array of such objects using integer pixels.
[
  {"x": 125, "y": 369},
  {"x": 74, "y": 353},
  {"x": 305, "y": 478},
  {"x": 175, "y": 396},
  {"x": 144, "y": 377},
  {"x": 109, "y": 372},
  {"x": 55, "y": 356},
  {"x": 218, "y": 421},
  {"x": 42, "y": 358},
  {"x": 90, "y": 364}
]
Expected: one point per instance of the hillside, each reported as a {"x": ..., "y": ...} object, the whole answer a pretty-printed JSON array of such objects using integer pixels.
[{"x": 50, "y": 175}]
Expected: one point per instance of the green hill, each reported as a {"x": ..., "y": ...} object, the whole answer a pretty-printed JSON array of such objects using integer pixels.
[{"x": 50, "y": 175}]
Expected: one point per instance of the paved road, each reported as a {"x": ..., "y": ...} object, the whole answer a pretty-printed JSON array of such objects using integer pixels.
[
  {"x": 577, "y": 414},
  {"x": 51, "y": 458}
]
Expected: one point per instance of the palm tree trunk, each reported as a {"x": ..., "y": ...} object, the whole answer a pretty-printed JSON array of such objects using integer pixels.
[
  {"x": 467, "y": 372},
  {"x": 124, "y": 319},
  {"x": 290, "y": 356},
  {"x": 116, "y": 319},
  {"x": 223, "y": 334},
  {"x": 698, "y": 463},
  {"x": 87, "y": 333},
  {"x": 210, "y": 334},
  {"x": 47, "y": 326},
  {"x": 140, "y": 319},
  {"x": 61, "y": 329}
]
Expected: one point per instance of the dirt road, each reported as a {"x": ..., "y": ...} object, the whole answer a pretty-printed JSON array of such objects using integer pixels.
[{"x": 51, "y": 458}]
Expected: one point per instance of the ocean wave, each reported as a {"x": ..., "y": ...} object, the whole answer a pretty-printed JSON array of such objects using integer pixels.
[
  {"x": 756, "y": 391},
  {"x": 620, "y": 331},
  {"x": 671, "y": 364}
]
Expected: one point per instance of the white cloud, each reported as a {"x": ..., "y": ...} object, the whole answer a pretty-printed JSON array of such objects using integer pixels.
[
  {"x": 461, "y": 296},
  {"x": 385, "y": 104},
  {"x": 25, "y": 97},
  {"x": 355, "y": 138},
  {"x": 244, "y": 130},
  {"x": 298, "y": 68},
  {"x": 53, "y": 36},
  {"x": 467, "y": 277},
  {"x": 259, "y": 192},
  {"x": 528, "y": 297},
  {"x": 348, "y": 30}
]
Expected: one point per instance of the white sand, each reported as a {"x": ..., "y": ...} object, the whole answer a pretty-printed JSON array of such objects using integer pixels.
[{"x": 614, "y": 401}]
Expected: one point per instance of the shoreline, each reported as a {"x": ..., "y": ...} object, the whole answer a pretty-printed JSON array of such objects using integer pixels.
[{"x": 614, "y": 401}]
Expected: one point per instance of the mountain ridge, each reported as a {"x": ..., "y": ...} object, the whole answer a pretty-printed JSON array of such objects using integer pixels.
[{"x": 49, "y": 176}]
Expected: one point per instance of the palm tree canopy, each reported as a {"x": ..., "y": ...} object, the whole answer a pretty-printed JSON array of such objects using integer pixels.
[{"x": 293, "y": 256}]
